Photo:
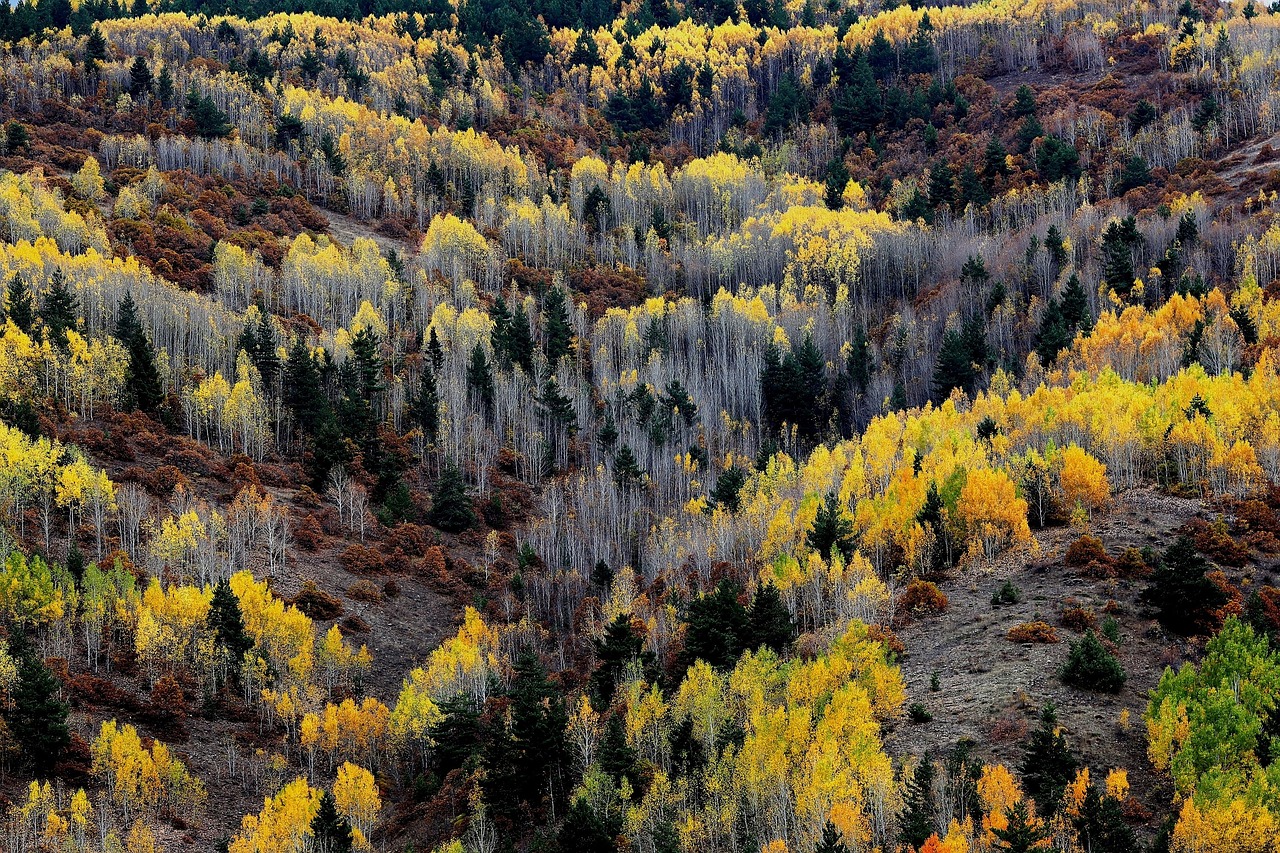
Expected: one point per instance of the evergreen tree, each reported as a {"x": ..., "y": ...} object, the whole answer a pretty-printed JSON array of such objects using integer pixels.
[
  {"x": 96, "y": 46},
  {"x": 718, "y": 626},
  {"x": 860, "y": 360},
  {"x": 558, "y": 408},
  {"x": 857, "y": 106},
  {"x": 1054, "y": 335},
  {"x": 1075, "y": 306},
  {"x": 557, "y": 333},
  {"x": 139, "y": 77},
  {"x": 583, "y": 831},
  {"x": 1134, "y": 174},
  {"x": 519, "y": 341},
  {"x": 831, "y": 841},
  {"x": 837, "y": 180},
  {"x": 832, "y": 530},
  {"x": 626, "y": 470},
  {"x": 994, "y": 160},
  {"x": 728, "y": 488},
  {"x": 1024, "y": 834},
  {"x": 1101, "y": 825},
  {"x": 1119, "y": 240},
  {"x": 435, "y": 351},
  {"x": 769, "y": 621},
  {"x": 1182, "y": 593},
  {"x": 961, "y": 359},
  {"x": 37, "y": 718},
  {"x": 1048, "y": 766},
  {"x": 619, "y": 647},
  {"x": 164, "y": 87},
  {"x": 210, "y": 122},
  {"x": 330, "y": 831},
  {"x": 227, "y": 624},
  {"x": 617, "y": 758},
  {"x": 19, "y": 304},
  {"x": 427, "y": 405},
  {"x": 303, "y": 389},
  {"x": 1024, "y": 102},
  {"x": 450, "y": 505},
  {"x": 1091, "y": 667},
  {"x": 916, "y": 822},
  {"x": 480, "y": 379},
  {"x": 1056, "y": 247},
  {"x": 16, "y": 137},
  {"x": 59, "y": 310},
  {"x": 971, "y": 188},
  {"x": 941, "y": 185},
  {"x": 143, "y": 389},
  {"x": 1142, "y": 114},
  {"x": 456, "y": 735}
]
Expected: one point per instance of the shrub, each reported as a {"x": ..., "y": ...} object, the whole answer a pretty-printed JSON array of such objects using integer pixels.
[
  {"x": 1033, "y": 632},
  {"x": 919, "y": 713},
  {"x": 922, "y": 598},
  {"x": 890, "y": 640},
  {"x": 365, "y": 590},
  {"x": 1215, "y": 542},
  {"x": 360, "y": 560},
  {"x": 1086, "y": 551},
  {"x": 1091, "y": 667},
  {"x": 316, "y": 603},
  {"x": 1077, "y": 619},
  {"x": 168, "y": 703},
  {"x": 1132, "y": 564},
  {"x": 1111, "y": 630},
  {"x": 1007, "y": 594}
]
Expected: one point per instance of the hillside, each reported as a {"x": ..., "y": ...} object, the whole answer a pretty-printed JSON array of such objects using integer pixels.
[{"x": 644, "y": 427}]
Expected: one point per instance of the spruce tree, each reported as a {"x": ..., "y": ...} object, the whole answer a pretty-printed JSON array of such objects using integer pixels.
[
  {"x": 583, "y": 831},
  {"x": 860, "y": 360},
  {"x": 143, "y": 389},
  {"x": 769, "y": 621},
  {"x": 480, "y": 379},
  {"x": 1091, "y": 667},
  {"x": 619, "y": 647},
  {"x": 1048, "y": 765},
  {"x": 916, "y": 821},
  {"x": 37, "y": 718},
  {"x": 718, "y": 627},
  {"x": 727, "y": 491},
  {"x": 557, "y": 334},
  {"x": 435, "y": 351},
  {"x": 831, "y": 841},
  {"x": 519, "y": 341},
  {"x": 303, "y": 389},
  {"x": 19, "y": 304},
  {"x": 1024, "y": 834},
  {"x": 450, "y": 505},
  {"x": 617, "y": 758},
  {"x": 59, "y": 310},
  {"x": 227, "y": 624},
  {"x": 832, "y": 529},
  {"x": 139, "y": 77},
  {"x": 330, "y": 831},
  {"x": 1182, "y": 593},
  {"x": 626, "y": 470},
  {"x": 427, "y": 405}
]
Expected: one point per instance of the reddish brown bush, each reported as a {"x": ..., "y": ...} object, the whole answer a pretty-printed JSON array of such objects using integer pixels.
[
  {"x": 360, "y": 560},
  {"x": 891, "y": 641},
  {"x": 1086, "y": 551},
  {"x": 922, "y": 598},
  {"x": 1033, "y": 632},
  {"x": 365, "y": 590},
  {"x": 101, "y": 693},
  {"x": 1131, "y": 564},
  {"x": 316, "y": 603},
  {"x": 1255, "y": 515},
  {"x": 1078, "y": 619},
  {"x": 1215, "y": 542},
  {"x": 168, "y": 703}
]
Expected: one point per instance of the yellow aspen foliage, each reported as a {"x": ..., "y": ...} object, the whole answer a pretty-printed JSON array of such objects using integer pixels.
[
  {"x": 1084, "y": 480},
  {"x": 28, "y": 596},
  {"x": 998, "y": 792},
  {"x": 283, "y": 825},
  {"x": 143, "y": 781},
  {"x": 88, "y": 182},
  {"x": 356, "y": 796},
  {"x": 1233, "y": 825},
  {"x": 992, "y": 513}
]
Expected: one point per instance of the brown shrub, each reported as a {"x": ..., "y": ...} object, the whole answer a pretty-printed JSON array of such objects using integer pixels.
[
  {"x": 316, "y": 603},
  {"x": 360, "y": 560},
  {"x": 1215, "y": 542},
  {"x": 891, "y": 641},
  {"x": 243, "y": 475},
  {"x": 1085, "y": 551},
  {"x": 101, "y": 692},
  {"x": 922, "y": 598},
  {"x": 1078, "y": 619},
  {"x": 1256, "y": 516},
  {"x": 391, "y": 589},
  {"x": 1033, "y": 632},
  {"x": 353, "y": 624},
  {"x": 1008, "y": 728},
  {"x": 308, "y": 534},
  {"x": 1131, "y": 564},
  {"x": 168, "y": 703},
  {"x": 365, "y": 590}
]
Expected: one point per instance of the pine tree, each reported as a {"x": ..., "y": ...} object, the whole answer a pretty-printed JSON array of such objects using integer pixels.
[
  {"x": 1182, "y": 593},
  {"x": 427, "y": 405},
  {"x": 59, "y": 310},
  {"x": 139, "y": 77},
  {"x": 96, "y": 46},
  {"x": 303, "y": 389},
  {"x": 972, "y": 190},
  {"x": 832, "y": 529},
  {"x": 1091, "y": 667},
  {"x": 435, "y": 351},
  {"x": 769, "y": 621},
  {"x": 227, "y": 624},
  {"x": 1048, "y": 765},
  {"x": 1075, "y": 306},
  {"x": 831, "y": 841},
  {"x": 1023, "y": 834},
  {"x": 994, "y": 160},
  {"x": 857, "y": 108},
  {"x": 20, "y": 306},
  {"x": 941, "y": 185},
  {"x": 626, "y": 470},
  {"x": 860, "y": 360},
  {"x": 1101, "y": 825},
  {"x": 728, "y": 489},
  {"x": 718, "y": 627},
  {"x": 520, "y": 341},
  {"x": 37, "y": 718},
  {"x": 617, "y": 758},
  {"x": 916, "y": 822},
  {"x": 164, "y": 87},
  {"x": 480, "y": 379},
  {"x": 1055, "y": 334},
  {"x": 837, "y": 180},
  {"x": 1024, "y": 102},
  {"x": 143, "y": 389},
  {"x": 1134, "y": 174},
  {"x": 583, "y": 831},
  {"x": 557, "y": 407},
  {"x": 1118, "y": 241},
  {"x": 330, "y": 831},
  {"x": 16, "y": 137},
  {"x": 557, "y": 334},
  {"x": 619, "y": 647},
  {"x": 210, "y": 122},
  {"x": 450, "y": 505}
]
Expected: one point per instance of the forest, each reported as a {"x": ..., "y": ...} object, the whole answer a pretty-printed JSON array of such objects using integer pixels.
[{"x": 578, "y": 426}]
